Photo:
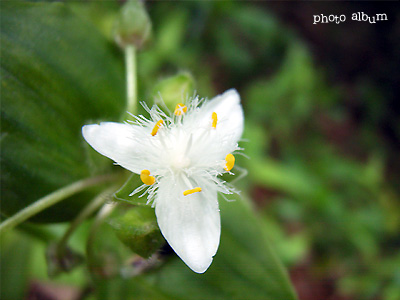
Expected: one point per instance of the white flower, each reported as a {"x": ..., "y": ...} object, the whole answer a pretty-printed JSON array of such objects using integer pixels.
[{"x": 179, "y": 159}]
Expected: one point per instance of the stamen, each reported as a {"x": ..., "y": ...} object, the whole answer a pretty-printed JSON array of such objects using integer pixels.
[
  {"x": 180, "y": 109},
  {"x": 156, "y": 127},
  {"x": 195, "y": 190},
  {"x": 214, "y": 119},
  {"x": 146, "y": 178},
  {"x": 230, "y": 162}
]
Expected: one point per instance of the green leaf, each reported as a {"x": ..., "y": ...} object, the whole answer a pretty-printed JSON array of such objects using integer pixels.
[
  {"x": 123, "y": 194},
  {"x": 15, "y": 253},
  {"x": 287, "y": 100},
  {"x": 271, "y": 173},
  {"x": 58, "y": 74},
  {"x": 138, "y": 230}
]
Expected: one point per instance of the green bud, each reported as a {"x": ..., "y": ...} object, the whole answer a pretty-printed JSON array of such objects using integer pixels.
[
  {"x": 174, "y": 89},
  {"x": 133, "y": 26},
  {"x": 138, "y": 230}
]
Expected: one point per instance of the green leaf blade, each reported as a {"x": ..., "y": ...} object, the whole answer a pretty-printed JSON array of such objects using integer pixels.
[{"x": 58, "y": 74}]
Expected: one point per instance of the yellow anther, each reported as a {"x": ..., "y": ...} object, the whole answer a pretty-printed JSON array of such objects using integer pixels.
[
  {"x": 156, "y": 127},
  {"x": 146, "y": 178},
  {"x": 214, "y": 119},
  {"x": 180, "y": 109},
  {"x": 195, "y": 190},
  {"x": 230, "y": 162}
]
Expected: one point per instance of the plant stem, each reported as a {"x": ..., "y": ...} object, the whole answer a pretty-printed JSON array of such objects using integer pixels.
[
  {"x": 103, "y": 213},
  {"x": 83, "y": 215},
  {"x": 131, "y": 78},
  {"x": 52, "y": 199}
]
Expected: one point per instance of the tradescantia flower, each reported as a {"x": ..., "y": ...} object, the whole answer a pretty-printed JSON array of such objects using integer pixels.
[{"x": 179, "y": 159}]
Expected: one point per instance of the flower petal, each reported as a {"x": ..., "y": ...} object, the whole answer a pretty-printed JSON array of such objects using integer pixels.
[
  {"x": 116, "y": 141},
  {"x": 211, "y": 144},
  {"x": 191, "y": 224},
  {"x": 229, "y": 112}
]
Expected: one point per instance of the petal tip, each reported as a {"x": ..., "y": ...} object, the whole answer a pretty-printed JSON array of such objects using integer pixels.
[
  {"x": 86, "y": 131},
  {"x": 232, "y": 93},
  {"x": 199, "y": 267},
  {"x": 89, "y": 127}
]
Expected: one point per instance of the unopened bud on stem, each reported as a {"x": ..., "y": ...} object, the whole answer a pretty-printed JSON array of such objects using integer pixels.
[{"x": 133, "y": 26}]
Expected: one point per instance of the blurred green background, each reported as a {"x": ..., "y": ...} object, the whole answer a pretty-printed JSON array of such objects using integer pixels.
[{"x": 322, "y": 138}]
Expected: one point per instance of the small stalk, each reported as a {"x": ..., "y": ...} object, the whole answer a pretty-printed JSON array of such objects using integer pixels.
[
  {"x": 103, "y": 213},
  {"x": 83, "y": 215},
  {"x": 53, "y": 198},
  {"x": 131, "y": 78}
]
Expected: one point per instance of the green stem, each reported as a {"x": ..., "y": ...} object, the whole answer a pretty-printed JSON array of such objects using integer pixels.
[
  {"x": 131, "y": 78},
  {"x": 52, "y": 199},
  {"x": 103, "y": 213},
  {"x": 83, "y": 215}
]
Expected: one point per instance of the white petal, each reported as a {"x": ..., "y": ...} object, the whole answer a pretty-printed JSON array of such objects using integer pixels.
[
  {"x": 213, "y": 144},
  {"x": 191, "y": 224},
  {"x": 116, "y": 141},
  {"x": 229, "y": 112}
]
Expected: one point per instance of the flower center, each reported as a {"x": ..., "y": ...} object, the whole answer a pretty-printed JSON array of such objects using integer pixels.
[{"x": 180, "y": 162}]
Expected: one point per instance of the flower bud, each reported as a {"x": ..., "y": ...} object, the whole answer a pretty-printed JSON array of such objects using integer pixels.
[
  {"x": 173, "y": 90},
  {"x": 133, "y": 26},
  {"x": 137, "y": 229}
]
